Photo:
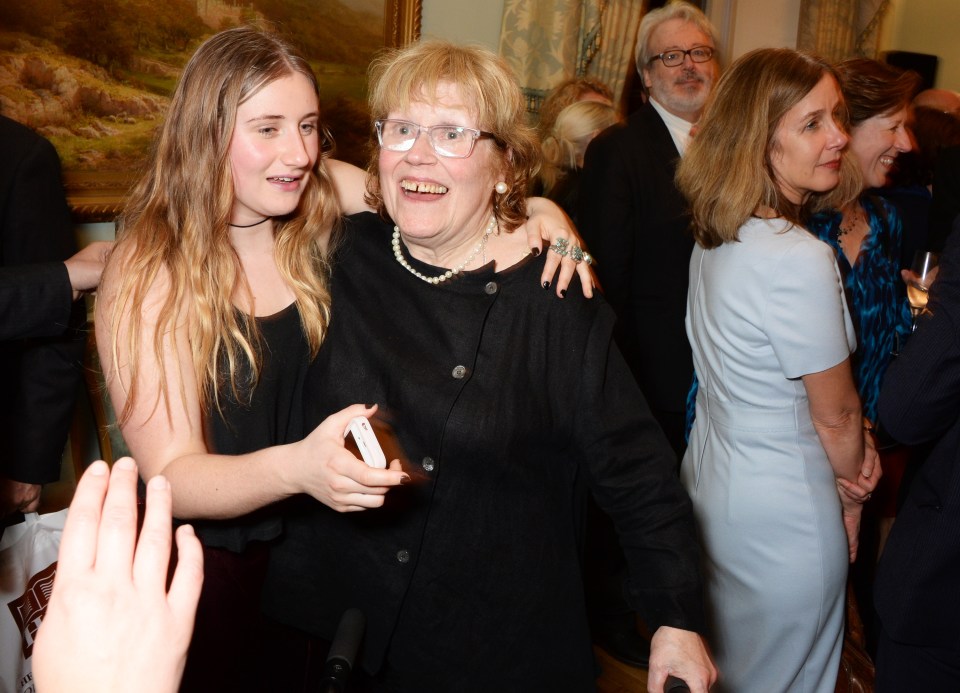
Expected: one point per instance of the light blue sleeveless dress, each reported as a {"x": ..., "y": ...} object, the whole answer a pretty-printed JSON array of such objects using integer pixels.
[{"x": 761, "y": 313}]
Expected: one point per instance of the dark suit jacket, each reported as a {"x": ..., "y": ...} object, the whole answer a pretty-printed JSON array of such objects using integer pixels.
[
  {"x": 945, "y": 205},
  {"x": 39, "y": 377},
  {"x": 917, "y": 588},
  {"x": 635, "y": 224},
  {"x": 34, "y": 300}
]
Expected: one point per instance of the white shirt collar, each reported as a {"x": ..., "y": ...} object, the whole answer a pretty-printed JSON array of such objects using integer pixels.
[{"x": 678, "y": 127}]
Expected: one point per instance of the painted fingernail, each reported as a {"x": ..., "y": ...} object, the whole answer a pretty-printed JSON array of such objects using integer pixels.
[
  {"x": 563, "y": 293},
  {"x": 534, "y": 251},
  {"x": 405, "y": 479},
  {"x": 546, "y": 285},
  {"x": 370, "y": 406}
]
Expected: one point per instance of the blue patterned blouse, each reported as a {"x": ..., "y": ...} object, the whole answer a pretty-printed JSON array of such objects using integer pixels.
[{"x": 875, "y": 293}]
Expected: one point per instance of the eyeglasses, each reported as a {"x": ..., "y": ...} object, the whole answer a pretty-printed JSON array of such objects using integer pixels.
[
  {"x": 451, "y": 141},
  {"x": 698, "y": 54}
]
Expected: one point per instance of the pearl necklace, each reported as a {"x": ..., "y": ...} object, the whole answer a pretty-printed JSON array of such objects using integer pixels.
[{"x": 481, "y": 244}]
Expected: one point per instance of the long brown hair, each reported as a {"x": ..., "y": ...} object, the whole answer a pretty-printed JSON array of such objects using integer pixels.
[
  {"x": 176, "y": 224},
  {"x": 726, "y": 174}
]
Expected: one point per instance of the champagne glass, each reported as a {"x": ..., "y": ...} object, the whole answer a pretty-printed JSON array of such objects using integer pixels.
[{"x": 922, "y": 273}]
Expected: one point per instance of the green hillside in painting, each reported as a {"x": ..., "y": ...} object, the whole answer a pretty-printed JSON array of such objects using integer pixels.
[{"x": 94, "y": 75}]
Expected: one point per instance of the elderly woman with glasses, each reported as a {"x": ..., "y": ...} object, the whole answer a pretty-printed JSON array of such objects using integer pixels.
[{"x": 505, "y": 407}]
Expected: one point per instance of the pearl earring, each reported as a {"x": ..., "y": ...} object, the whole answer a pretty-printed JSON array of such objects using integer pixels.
[{"x": 500, "y": 187}]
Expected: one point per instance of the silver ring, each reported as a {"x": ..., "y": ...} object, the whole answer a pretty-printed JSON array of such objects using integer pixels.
[
  {"x": 588, "y": 258},
  {"x": 560, "y": 247},
  {"x": 576, "y": 254}
]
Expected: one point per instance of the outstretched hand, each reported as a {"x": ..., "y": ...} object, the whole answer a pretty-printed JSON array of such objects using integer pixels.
[{"x": 112, "y": 624}]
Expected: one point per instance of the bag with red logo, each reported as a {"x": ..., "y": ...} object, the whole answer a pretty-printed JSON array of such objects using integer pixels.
[{"x": 28, "y": 563}]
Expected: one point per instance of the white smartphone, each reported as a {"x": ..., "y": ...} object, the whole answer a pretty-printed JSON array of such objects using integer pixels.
[{"x": 367, "y": 442}]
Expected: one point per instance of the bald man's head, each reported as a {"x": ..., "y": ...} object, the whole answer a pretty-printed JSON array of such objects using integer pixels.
[{"x": 939, "y": 99}]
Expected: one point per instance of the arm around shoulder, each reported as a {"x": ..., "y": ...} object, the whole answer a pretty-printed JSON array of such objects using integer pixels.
[{"x": 350, "y": 184}]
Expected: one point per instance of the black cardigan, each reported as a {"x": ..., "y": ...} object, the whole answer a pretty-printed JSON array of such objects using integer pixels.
[{"x": 506, "y": 403}]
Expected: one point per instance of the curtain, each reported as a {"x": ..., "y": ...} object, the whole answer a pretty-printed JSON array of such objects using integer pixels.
[
  {"x": 615, "y": 59},
  {"x": 839, "y": 29},
  {"x": 547, "y": 41}
]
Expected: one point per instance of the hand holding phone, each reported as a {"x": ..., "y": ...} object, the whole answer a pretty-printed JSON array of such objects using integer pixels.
[{"x": 367, "y": 442}]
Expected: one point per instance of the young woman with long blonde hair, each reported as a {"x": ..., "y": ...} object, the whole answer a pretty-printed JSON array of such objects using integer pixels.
[{"x": 213, "y": 304}]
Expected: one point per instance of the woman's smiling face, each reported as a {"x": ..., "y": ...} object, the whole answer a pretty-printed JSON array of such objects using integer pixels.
[
  {"x": 439, "y": 202},
  {"x": 274, "y": 146},
  {"x": 876, "y": 142}
]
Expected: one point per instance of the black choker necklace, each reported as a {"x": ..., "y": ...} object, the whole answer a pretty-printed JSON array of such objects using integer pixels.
[{"x": 247, "y": 226}]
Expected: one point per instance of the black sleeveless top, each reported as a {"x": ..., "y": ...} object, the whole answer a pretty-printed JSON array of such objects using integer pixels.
[{"x": 273, "y": 416}]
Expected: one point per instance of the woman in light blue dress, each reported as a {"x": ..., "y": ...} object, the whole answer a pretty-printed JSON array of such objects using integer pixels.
[{"x": 778, "y": 464}]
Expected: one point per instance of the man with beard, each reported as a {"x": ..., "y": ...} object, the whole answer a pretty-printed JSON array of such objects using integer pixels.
[{"x": 634, "y": 221}]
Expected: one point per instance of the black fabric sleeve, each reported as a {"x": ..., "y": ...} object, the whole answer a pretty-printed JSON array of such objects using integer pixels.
[
  {"x": 631, "y": 470},
  {"x": 34, "y": 300}
]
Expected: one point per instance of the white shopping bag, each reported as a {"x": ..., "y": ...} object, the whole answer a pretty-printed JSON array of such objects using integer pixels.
[{"x": 28, "y": 564}]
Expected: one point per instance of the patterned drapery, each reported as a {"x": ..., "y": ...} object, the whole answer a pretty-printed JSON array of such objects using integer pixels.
[
  {"x": 839, "y": 29},
  {"x": 615, "y": 60},
  {"x": 547, "y": 41}
]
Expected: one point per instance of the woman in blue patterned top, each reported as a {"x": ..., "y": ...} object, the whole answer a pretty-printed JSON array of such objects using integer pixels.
[{"x": 866, "y": 234}]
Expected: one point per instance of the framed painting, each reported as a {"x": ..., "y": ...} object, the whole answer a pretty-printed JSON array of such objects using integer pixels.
[{"x": 96, "y": 82}]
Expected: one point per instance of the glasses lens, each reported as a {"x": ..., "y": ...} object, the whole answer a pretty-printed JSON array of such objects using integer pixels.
[
  {"x": 701, "y": 55},
  {"x": 452, "y": 141},
  {"x": 672, "y": 59},
  {"x": 397, "y": 135}
]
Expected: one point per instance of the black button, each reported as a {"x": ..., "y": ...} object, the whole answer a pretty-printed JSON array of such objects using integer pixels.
[{"x": 403, "y": 556}]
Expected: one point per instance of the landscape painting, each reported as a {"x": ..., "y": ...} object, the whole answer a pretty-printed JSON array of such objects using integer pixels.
[{"x": 94, "y": 76}]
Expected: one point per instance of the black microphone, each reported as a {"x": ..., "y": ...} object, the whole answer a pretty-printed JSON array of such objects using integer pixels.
[
  {"x": 675, "y": 685},
  {"x": 343, "y": 650}
]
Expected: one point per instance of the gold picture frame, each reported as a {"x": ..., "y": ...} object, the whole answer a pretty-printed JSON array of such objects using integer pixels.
[
  {"x": 96, "y": 191},
  {"x": 403, "y": 22}
]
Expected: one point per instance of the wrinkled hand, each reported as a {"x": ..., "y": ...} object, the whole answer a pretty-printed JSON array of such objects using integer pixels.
[
  {"x": 337, "y": 478},
  {"x": 547, "y": 222},
  {"x": 16, "y": 496},
  {"x": 111, "y": 622},
  {"x": 86, "y": 267},
  {"x": 679, "y": 653}
]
